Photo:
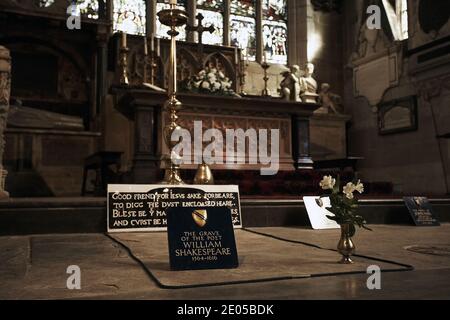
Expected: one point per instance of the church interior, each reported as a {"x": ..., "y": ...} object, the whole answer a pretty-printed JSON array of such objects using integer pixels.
[{"x": 355, "y": 95}]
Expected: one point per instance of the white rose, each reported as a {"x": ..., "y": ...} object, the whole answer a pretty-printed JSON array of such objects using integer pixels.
[
  {"x": 359, "y": 187},
  {"x": 201, "y": 74},
  {"x": 327, "y": 182},
  {"x": 348, "y": 190},
  {"x": 217, "y": 85},
  {"x": 205, "y": 85}
]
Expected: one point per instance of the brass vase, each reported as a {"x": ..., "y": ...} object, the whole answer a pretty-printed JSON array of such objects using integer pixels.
[
  {"x": 204, "y": 175},
  {"x": 346, "y": 247}
]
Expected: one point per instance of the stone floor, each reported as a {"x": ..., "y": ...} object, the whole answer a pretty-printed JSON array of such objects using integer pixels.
[{"x": 34, "y": 267}]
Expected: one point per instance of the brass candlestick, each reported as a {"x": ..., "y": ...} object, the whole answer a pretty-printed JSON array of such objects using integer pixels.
[
  {"x": 153, "y": 66},
  {"x": 172, "y": 18},
  {"x": 150, "y": 61},
  {"x": 266, "y": 91},
  {"x": 144, "y": 71},
  {"x": 123, "y": 63},
  {"x": 244, "y": 67}
]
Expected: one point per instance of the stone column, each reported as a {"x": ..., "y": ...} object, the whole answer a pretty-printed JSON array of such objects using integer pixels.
[
  {"x": 259, "y": 35},
  {"x": 151, "y": 18},
  {"x": 192, "y": 12},
  {"x": 5, "y": 87},
  {"x": 301, "y": 142},
  {"x": 226, "y": 22}
]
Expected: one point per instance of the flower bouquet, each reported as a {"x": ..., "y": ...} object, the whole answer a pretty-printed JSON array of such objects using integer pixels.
[
  {"x": 344, "y": 206},
  {"x": 209, "y": 81}
]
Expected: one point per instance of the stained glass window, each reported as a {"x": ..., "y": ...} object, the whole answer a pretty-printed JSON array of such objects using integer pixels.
[
  {"x": 275, "y": 30},
  {"x": 161, "y": 30},
  {"x": 243, "y": 27},
  {"x": 402, "y": 8},
  {"x": 212, "y": 11},
  {"x": 129, "y": 16}
]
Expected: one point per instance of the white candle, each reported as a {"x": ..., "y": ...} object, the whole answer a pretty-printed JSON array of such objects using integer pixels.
[
  {"x": 173, "y": 2},
  {"x": 265, "y": 56}
]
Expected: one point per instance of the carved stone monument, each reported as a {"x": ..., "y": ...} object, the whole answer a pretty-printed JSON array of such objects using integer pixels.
[
  {"x": 5, "y": 87},
  {"x": 329, "y": 101},
  {"x": 308, "y": 85},
  {"x": 290, "y": 86},
  {"x": 25, "y": 117}
]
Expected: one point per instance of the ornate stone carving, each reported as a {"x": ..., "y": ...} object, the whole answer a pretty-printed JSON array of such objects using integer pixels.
[
  {"x": 308, "y": 85},
  {"x": 224, "y": 122},
  {"x": 329, "y": 101},
  {"x": 290, "y": 86},
  {"x": 189, "y": 62},
  {"x": 5, "y": 88},
  {"x": 376, "y": 61},
  {"x": 432, "y": 88}
]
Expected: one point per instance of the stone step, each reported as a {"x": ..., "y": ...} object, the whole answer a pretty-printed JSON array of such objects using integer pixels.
[{"x": 88, "y": 215}]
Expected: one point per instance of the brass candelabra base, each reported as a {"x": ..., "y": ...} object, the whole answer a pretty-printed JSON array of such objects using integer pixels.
[{"x": 172, "y": 174}]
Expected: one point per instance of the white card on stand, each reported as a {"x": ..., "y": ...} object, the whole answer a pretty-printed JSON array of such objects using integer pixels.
[{"x": 318, "y": 215}]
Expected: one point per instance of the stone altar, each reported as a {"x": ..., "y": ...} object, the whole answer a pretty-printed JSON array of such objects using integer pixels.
[{"x": 144, "y": 108}]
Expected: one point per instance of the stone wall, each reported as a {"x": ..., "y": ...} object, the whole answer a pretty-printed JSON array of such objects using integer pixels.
[
  {"x": 415, "y": 161},
  {"x": 5, "y": 88}
]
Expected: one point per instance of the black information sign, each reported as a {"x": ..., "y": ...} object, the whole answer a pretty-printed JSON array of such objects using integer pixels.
[
  {"x": 201, "y": 238},
  {"x": 421, "y": 211},
  {"x": 143, "y": 207}
]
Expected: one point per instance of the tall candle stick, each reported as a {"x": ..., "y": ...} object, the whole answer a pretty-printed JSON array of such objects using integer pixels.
[
  {"x": 124, "y": 39},
  {"x": 158, "y": 47},
  {"x": 152, "y": 43},
  {"x": 145, "y": 46}
]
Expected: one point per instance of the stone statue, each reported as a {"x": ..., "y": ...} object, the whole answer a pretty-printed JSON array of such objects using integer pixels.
[
  {"x": 290, "y": 86},
  {"x": 308, "y": 85},
  {"x": 328, "y": 100},
  {"x": 5, "y": 87}
]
